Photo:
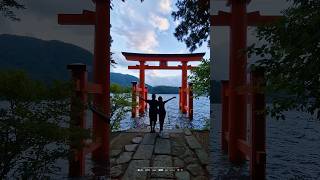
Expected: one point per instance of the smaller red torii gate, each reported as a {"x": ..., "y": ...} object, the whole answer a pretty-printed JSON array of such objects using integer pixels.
[{"x": 185, "y": 92}]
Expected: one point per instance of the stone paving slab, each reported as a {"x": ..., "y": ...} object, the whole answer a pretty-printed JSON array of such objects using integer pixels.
[
  {"x": 187, "y": 132},
  {"x": 202, "y": 156},
  {"x": 130, "y": 147},
  {"x": 195, "y": 169},
  {"x": 136, "y": 140},
  {"x": 193, "y": 142},
  {"x": 184, "y": 175},
  {"x": 115, "y": 152},
  {"x": 143, "y": 152},
  {"x": 162, "y": 161},
  {"x": 132, "y": 172},
  {"x": 116, "y": 171},
  {"x": 149, "y": 138},
  {"x": 162, "y": 146},
  {"x": 124, "y": 157}
]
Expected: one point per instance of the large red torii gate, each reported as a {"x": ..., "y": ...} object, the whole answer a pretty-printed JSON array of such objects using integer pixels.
[
  {"x": 185, "y": 98},
  {"x": 234, "y": 123},
  {"x": 100, "y": 87}
]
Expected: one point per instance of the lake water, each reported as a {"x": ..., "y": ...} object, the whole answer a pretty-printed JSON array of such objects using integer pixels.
[
  {"x": 293, "y": 148},
  {"x": 174, "y": 119}
]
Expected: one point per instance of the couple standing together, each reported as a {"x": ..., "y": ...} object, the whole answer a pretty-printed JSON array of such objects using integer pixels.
[{"x": 156, "y": 107}]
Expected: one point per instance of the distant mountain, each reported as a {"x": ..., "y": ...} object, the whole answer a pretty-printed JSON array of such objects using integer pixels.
[{"x": 47, "y": 60}]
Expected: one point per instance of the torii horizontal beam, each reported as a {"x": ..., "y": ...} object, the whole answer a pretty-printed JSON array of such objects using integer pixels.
[
  {"x": 86, "y": 18},
  {"x": 160, "y": 67},
  {"x": 253, "y": 19},
  {"x": 163, "y": 57}
]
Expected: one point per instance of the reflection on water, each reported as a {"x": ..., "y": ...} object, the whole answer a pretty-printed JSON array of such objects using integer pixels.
[
  {"x": 174, "y": 119},
  {"x": 292, "y": 148}
]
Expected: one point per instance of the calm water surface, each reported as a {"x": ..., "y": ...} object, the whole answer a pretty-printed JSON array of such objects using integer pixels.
[{"x": 293, "y": 148}]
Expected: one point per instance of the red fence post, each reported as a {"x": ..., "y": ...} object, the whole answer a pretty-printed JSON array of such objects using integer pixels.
[
  {"x": 180, "y": 98},
  {"x": 225, "y": 115},
  {"x": 134, "y": 99},
  {"x": 258, "y": 126},
  {"x": 146, "y": 97},
  {"x": 190, "y": 101},
  {"x": 79, "y": 77}
]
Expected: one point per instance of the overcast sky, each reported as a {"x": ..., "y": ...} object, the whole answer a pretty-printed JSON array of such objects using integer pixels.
[{"x": 136, "y": 27}]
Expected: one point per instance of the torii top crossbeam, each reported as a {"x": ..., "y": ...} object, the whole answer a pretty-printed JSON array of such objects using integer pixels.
[{"x": 163, "y": 57}]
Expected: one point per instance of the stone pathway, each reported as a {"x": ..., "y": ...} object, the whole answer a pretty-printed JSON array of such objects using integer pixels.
[{"x": 175, "y": 155}]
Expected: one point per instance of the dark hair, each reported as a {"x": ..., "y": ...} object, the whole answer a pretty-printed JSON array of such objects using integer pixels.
[
  {"x": 153, "y": 96},
  {"x": 160, "y": 99}
]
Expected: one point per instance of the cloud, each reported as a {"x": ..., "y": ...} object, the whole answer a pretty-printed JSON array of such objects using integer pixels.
[
  {"x": 159, "y": 22},
  {"x": 165, "y": 6}
]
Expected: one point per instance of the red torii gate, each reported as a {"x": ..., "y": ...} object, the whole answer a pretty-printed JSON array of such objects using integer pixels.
[
  {"x": 234, "y": 114},
  {"x": 185, "y": 94},
  {"x": 100, "y": 87}
]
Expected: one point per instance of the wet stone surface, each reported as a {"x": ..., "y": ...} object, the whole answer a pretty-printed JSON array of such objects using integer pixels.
[
  {"x": 162, "y": 161},
  {"x": 143, "y": 152},
  {"x": 130, "y": 147},
  {"x": 162, "y": 146},
  {"x": 136, "y": 140},
  {"x": 124, "y": 157}
]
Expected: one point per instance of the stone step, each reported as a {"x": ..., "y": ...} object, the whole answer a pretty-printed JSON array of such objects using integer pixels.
[
  {"x": 162, "y": 146},
  {"x": 132, "y": 172},
  {"x": 124, "y": 157},
  {"x": 136, "y": 140},
  {"x": 144, "y": 152},
  {"x": 187, "y": 132},
  {"x": 202, "y": 156},
  {"x": 193, "y": 142},
  {"x": 130, "y": 147},
  {"x": 149, "y": 139},
  {"x": 162, "y": 161},
  {"x": 184, "y": 175}
]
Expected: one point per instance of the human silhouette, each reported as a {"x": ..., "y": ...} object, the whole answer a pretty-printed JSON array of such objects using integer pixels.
[
  {"x": 153, "y": 111},
  {"x": 162, "y": 111}
]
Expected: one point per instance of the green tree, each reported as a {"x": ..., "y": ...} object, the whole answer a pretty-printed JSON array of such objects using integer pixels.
[
  {"x": 194, "y": 26},
  {"x": 200, "y": 77},
  {"x": 34, "y": 126},
  {"x": 7, "y": 7},
  {"x": 289, "y": 50},
  {"x": 120, "y": 104}
]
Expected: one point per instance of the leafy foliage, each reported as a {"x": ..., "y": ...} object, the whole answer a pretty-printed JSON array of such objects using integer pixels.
[
  {"x": 200, "y": 77},
  {"x": 7, "y": 6},
  {"x": 120, "y": 104},
  {"x": 289, "y": 50},
  {"x": 34, "y": 129},
  {"x": 194, "y": 18}
]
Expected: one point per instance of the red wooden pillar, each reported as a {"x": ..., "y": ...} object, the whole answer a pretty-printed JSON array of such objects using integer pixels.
[
  {"x": 238, "y": 62},
  {"x": 79, "y": 77},
  {"x": 101, "y": 75},
  {"x": 225, "y": 115},
  {"x": 134, "y": 99},
  {"x": 258, "y": 126},
  {"x": 142, "y": 88},
  {"x": 190, "y": 101},
  {"x": 184, "y": 86}
]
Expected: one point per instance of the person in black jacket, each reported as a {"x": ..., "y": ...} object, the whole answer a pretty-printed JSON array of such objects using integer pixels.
[
  {"x": 153, "y": 111},
  {"x": 162, "y": 111}
]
